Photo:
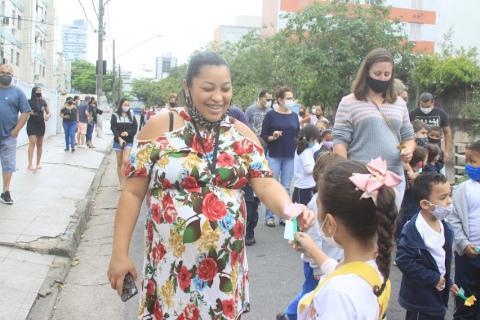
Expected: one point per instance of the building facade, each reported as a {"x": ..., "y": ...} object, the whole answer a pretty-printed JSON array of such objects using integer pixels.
[
  {"x": 27, "y": 43},
  {"x": 75, "y": 40},
  {"x": 233, "y": 33},
  {"x": 425, "y": 21},
  {"x": 163, "y": 65}
]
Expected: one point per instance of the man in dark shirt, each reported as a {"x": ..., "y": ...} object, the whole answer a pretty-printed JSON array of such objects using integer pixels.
[{"x": 433, "y": 117}]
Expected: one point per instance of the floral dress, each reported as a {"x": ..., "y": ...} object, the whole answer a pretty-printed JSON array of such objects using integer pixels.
[{"x": 195, "y": 263}]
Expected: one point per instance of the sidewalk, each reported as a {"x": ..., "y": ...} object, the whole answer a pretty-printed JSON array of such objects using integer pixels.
[{"x": 44, "y": 223}]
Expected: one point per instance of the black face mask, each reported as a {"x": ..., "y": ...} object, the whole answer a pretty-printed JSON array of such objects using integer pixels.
[
  {"x": 38, "y": 95},
  {"x": 5, "y": 80},
  {"x": 379, "y": 86},
  {"x": 172, "y": 104},
  {"x": 433, "y": 140},
  {"x": 301, "y": 113},
  {"x": 421, "y": 141}
]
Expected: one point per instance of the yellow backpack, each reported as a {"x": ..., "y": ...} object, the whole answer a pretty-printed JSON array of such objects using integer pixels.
[{"x": 361, "y": 269}]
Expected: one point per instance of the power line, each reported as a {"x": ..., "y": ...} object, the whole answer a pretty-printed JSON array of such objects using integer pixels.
[
  {"x": 94, "y": 8},
  {"x": 41, "y": 22},
  {"x": 86, "y": 16}
]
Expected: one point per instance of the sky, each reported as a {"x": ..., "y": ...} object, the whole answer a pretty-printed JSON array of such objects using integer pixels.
[{"x": 184, "y": 26}]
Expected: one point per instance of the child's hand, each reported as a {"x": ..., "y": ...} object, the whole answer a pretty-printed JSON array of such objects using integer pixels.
[
  {"x": 454, "y": 290},
  {"x": 317, "y": 277},
  {"x": 305, "y": 219},
  {"x": 304, "y": 243},
  {"x": 441, "y": 284},
  {"x": 470, "y": 251}
]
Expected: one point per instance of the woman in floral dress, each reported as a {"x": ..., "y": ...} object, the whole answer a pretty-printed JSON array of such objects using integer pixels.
[{"x": 195, "y": 264}]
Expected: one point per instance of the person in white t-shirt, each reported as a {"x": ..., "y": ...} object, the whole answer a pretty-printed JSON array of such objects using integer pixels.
[
  {"x": 357, "y": 288},
  {"x": 465, "y": 220},
  {"x": 303, "y": 163},
  {"x": 424, "y": 251}
]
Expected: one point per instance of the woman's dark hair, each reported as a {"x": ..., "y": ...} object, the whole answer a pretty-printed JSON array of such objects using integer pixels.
[
  {"x": 360, "y": 86},
  {"x": 280, "y": 92},
  {"x": 325, "y": 160},
  {"x": 418, "y": 156},
  {"x": 361, "y": 216},
  {"x": 433, "y": 152},
  {"x": 120, "y": 111},
  {"x": 34, "y": 90},
  {"x": 305, "y": 136},
  {"x": 419, "y": 125},
  {"x": 200, "y": 59}
]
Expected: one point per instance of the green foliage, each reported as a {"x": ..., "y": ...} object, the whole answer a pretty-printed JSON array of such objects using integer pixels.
[
  {"x": 447, "y": 72},
  {"x": 83, "y": 76},
  {"x": 157, "y": 92},
  {"x": 317, "y": 53},
  {"x": 471, "y": 110}
]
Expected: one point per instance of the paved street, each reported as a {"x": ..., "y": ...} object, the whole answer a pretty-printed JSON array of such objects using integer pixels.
[{"x": 275, "y": 269}]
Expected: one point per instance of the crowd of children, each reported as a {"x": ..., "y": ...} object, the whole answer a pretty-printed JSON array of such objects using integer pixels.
[{"x": 346, "y": 262}]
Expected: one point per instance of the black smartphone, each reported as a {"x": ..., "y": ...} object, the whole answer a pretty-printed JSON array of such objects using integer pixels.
[{"x": 129, "y": 287}]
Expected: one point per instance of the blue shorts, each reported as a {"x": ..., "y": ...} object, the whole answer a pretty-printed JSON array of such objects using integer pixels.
[
  {"x": 8, "y": 154},
  {"x": 120, "y": 148}
]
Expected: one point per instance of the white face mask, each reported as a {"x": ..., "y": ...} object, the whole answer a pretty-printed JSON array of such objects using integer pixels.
[
  {"x": 441, "y": 212},
  {"x": 330, "y": 240},
  {"x": 125, "y": 109},
  {"x": 289, "y": 104},
  {"x": 426, "y": 110}
]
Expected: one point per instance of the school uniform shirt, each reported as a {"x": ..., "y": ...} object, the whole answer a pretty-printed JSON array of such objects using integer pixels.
[
  {"x": 434, "y": 241},
  {"x": 345, "y": 297},
  {"x": 303, "y": 164},
  {"x": 473, "y": 202}
]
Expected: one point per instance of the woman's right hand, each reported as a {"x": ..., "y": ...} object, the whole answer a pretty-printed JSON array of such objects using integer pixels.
[{"x": 119, "y": 266}]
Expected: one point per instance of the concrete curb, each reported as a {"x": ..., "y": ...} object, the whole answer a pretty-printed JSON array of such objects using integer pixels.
[{"x": 64, "y": 248}]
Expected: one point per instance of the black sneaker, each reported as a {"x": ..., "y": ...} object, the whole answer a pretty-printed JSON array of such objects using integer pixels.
[
  {"x": 73, "y": 149},
  {"x": 5, "y": 198},
  {"x": 66, "y": 149},
  {"x": 250, "y": 241},
  {"x": 282, "y": 222},
  {"x": 281, "y": 316}
]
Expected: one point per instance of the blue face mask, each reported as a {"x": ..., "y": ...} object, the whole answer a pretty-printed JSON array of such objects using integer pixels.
[
  {"x": 310, "y": 145},
  {"x": 472, "y": 172}
]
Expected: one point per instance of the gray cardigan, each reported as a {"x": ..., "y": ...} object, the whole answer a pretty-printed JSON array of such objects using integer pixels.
[{"x": 459, "y": 218}]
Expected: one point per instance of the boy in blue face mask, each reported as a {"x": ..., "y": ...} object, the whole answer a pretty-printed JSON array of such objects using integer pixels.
[
  {"x": 424, "y": 253},
  {"x": 465, "y": 221}
]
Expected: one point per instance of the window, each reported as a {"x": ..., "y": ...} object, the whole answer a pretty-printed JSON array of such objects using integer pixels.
[
  {"x": 415, "y": 32},
  {"x": 43, "y": 72},
  {"x": 19, "y": 22},
  {"x": 11, "y": 55},
  {"x": 18, "y": 59},
  {"x": 6, "y": 21},
  {"x": 417, "y": 4}
]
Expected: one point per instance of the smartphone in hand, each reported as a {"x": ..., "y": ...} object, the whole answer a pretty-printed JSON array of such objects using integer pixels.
[{"x": 129, "y": 288}]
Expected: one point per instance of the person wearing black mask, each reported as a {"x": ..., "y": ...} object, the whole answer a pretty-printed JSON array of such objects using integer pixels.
[
  {"x": 373, "y": 121},
  {"x": 36, "y": 126},
  {"x": 434, "y": 116}
]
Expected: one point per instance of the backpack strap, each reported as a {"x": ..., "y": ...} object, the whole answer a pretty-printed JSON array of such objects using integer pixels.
[{"x": 361, "y": 269}]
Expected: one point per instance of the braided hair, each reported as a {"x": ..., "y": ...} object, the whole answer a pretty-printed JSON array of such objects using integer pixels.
[{"x": 361, "y": 216}]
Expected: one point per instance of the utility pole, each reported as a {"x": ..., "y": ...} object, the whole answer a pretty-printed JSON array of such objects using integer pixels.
[
  {"x": 101, "y": 12},
  {"x": 114, "y": 85}
]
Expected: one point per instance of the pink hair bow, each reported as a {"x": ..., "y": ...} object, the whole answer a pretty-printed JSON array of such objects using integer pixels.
[{"x": 378, "y": 177}]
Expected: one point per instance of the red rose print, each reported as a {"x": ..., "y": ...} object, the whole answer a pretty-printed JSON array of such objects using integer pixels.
[
  {"x": 228, "y": 308},
  {"x": 170, "y": 212},
  {"x": 243, "y": 210},
  {"x": 213, "y": 208},
  {"x": 184, "y": 278},
  {"x": 158, "y": 252},
  {"x": 207, "y": 269},
  {"x": 238, "y": 230},
  {"x": 150, "y": 232},
  {"x": 225, "y": 160},
  {"x": 156, "y": 213},
  {"x": 242, "y": 147},
  {"x": 255, "y": 174},
  {"x": 197, "y": 146},
  {"x": 190, "y": 312},
  {"x": 128, "y": 168},
  {"x": 166, "y": 184},
  {"x": 157, "y": 311},
  {"x": 162, "y": 142},
  {"x": 190, "y": 184},
  {"x": 234, "y": 258},
  {"x": 151, "y": 288},
  {"x": 240, "y": 183}
]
